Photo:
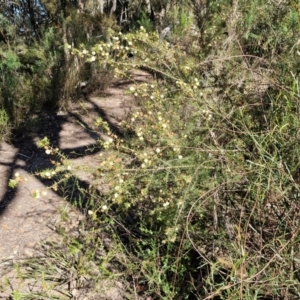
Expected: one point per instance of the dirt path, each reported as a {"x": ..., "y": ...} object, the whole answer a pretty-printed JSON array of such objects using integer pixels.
[{"x": 24, "y": 221}]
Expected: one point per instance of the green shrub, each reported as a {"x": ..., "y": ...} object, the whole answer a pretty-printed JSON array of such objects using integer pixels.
[
  {"x": 25, "y": 76},
  {"x": 208, "y": 182},
  {"x": 202, "y": 195},
  {"x": 4, "y": 121}
]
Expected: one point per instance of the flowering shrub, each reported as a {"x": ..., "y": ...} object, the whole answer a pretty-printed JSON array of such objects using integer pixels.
[
  {"x": 201, "y": 194},
  {"x": 193, "y": 176}
]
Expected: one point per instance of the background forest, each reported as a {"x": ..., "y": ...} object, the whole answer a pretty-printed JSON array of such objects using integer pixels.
[{"x": 205, "y": 185}]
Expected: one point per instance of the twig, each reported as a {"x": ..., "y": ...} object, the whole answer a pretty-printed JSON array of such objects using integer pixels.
[{"x": 26, "y": 155}]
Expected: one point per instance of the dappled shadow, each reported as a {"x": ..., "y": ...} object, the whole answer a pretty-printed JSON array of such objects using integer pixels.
[
  {"x": 75, "y": 134},
  {"x": 113, "y": 126}
]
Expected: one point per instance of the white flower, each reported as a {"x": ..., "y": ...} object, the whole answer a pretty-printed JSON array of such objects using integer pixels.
[
  {"x": 166, "y": 204},
  {"x": 132, "y": 88},
  {"x": 180, "y": 156},
  {"x": 48, "y": 151},
  {"x": 157, "y": 150},
  {"x": 104, "y": 207},
  {"x": 93, "y": 58},
  {"x": 180, "y": 202},
  {"x": 17, "y": 174},
  {"x": 84, "y": 51},
  {"x": 48, "y": 174}
]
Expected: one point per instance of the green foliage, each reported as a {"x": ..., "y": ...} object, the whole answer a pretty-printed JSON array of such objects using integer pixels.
[
  {"x": 201, "y": 196},
  {"x": 44, "y": 143},
  {"x": 9, "y": 63},
  {"x": 203, "y": 173},
  {"x": 4, "y": 123},
  {"x": 145, "y": 22},
  {"x": 8, "y": 68},
  {"x": 24, "y": 73},
  {"x": 7, "y": 31}
]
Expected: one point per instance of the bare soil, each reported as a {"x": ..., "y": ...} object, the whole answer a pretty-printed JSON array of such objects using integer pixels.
[{"x": 25, "y": 221}]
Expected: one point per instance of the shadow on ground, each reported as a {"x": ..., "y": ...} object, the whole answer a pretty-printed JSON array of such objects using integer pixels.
[{"x": 24, "y": 221}]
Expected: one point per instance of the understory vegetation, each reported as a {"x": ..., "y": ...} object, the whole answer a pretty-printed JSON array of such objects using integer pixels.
[{"x": 202, "y": 186}]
